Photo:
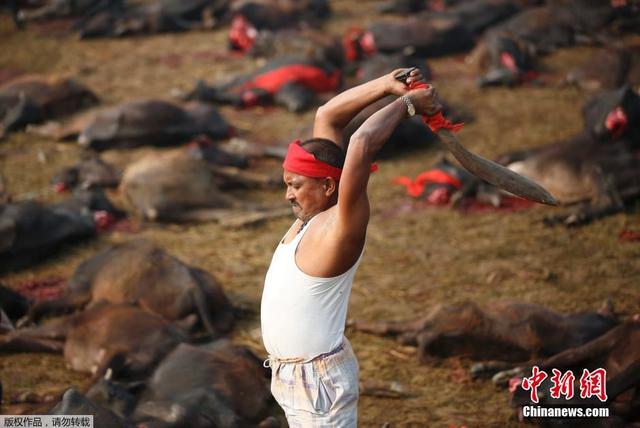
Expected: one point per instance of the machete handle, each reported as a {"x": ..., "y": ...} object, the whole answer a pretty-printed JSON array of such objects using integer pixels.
[{"x": 403, "y": 76}]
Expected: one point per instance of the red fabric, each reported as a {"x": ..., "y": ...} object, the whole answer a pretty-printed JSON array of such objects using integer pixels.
[
  {"x": 350, "y": 43},
  {"x": 509, "y": 62},
  {"x": 437, "y": 121},
  {"x": 312, "y": 77},
  {"x": 356, "y": 42},
  {"x": 42, "y": 289},
  {"x": 415, "y": 188},
  {"x": 242, "y": 34},
  {"x": 299, "y": 161},
  {"x": 616, "y": 122},
  {"x": 629, "y": 235}
]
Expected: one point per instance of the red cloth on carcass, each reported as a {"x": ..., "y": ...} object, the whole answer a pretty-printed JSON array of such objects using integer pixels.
[
  {"x": 314, "y": 78},
  {"x": 415, "y": 188},
  {"x": 242, "y": 34}
]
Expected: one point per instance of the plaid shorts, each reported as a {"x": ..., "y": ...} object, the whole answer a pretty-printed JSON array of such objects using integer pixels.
[{"x": 322, "y": 392}]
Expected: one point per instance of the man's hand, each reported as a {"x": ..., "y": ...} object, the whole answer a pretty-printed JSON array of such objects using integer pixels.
[
  {"x": 425, "y": 100},
  {"x": 397, "y": 88}
]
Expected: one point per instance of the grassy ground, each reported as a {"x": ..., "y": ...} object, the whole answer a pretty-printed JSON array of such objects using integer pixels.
[{"x": 415, "y": 257}]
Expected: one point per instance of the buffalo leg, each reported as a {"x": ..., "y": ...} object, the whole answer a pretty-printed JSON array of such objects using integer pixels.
[{"x": 15, "y": 343}]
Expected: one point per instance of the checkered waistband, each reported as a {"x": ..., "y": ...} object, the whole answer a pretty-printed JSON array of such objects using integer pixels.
[{"x": 271, "y": 359}]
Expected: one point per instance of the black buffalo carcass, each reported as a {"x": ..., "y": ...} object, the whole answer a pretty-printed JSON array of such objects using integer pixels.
[
  {"x": 152, "y": 122},
  {"x": 252, "y": 17},
  {"x": 73, "y": 402},
  {"x": 508, "y": 52},
  {"x": 34, "y": 99},
  {"x": 161, "y": 16},
  {"x": 142, "y": 273},
  {"x": 287, "y": 81},
  {"x": 31, "y": 231}
]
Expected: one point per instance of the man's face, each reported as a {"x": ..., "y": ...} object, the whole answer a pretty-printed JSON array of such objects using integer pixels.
[{"x": 308, "y": 196}]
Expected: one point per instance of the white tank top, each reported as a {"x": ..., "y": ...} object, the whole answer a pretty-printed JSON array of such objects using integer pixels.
[{"x": 302, "y": 316}]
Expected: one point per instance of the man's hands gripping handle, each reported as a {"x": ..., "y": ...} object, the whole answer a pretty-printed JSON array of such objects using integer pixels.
[{"x": 424, "y": 97}]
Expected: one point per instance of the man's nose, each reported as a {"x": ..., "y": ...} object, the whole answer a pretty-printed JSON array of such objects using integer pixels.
[{"x": 289, "y": 196}]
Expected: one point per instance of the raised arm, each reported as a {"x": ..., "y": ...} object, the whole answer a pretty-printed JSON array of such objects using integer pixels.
[
  {"x": 333, "y": 117},
  {"x": 353, "y": 203}
]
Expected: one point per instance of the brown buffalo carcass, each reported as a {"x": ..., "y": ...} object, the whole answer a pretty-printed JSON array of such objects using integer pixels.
[
  {"x": 142, "y": 273},
  {"x": 218, "y": 384},
  {"x": 152, "y": 122},
  {"x": 33, "y": 99},
  {"x": 121, "y": 337},
  {"x": 91, "y": 172},
  {"x": 597, "y": 170},
  {"x": 182, "y": 186},
  {"x": 505, "y": 331},
  {"x": 617, "y": 352},
  {"x": 601, "y": 178}
]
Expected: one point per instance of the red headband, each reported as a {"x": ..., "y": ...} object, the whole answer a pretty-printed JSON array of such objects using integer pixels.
[{"x": 299, "y": 161}]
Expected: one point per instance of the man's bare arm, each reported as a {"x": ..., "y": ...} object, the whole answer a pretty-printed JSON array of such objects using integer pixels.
[
  {"x": 335, "y": 115},
  {"x": 353, "y": 203}
]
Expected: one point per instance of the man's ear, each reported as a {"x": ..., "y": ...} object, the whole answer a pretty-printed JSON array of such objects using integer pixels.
[{"x": 329, "y": 185}]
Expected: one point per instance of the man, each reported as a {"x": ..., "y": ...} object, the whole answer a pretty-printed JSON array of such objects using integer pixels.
[{"x": 307, "y": 287}]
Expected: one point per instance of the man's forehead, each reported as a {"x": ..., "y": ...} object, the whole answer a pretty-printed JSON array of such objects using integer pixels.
[{"x": 292, "y": 176}]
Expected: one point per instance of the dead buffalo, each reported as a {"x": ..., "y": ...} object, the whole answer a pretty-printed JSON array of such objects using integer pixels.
[
  {"x": 150, "y": 18},
  {"x": 75, "y": 403},
  {"x": 182, "y": 186},
  {"x": 250, "y": 17},
  {"x": 219, "y": 384},
  {"x": 597, "y": 169},
  {"x": 33, "y": 99},
  {"x": 423, "y": 37},
  {"x": 507, "y": 53},
  {"x": 30, "y": 231},
  {"x": 152, "y": 122},
  {"x": 617, "y": 352},
  {"x": 608, "y": 68},
  {"x": 602, "y": 178},
  {"x": 506, "y": 331},
  {"x": 288, "y": 81},
  {"x": 316, "y": 45},
  {"x": 121, "y": 337},
  {"x": 13, "y": 304},
  {"x": 478, "y": 15},
  {"x": 91, "y": 172},
  {"x": 141, "y": 273},
  {"x": 613, "y": 115},
  {"x": 56, "y": 9}
]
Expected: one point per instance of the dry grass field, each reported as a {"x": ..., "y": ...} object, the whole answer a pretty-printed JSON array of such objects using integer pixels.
[{"x": 415, "y": 257}]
